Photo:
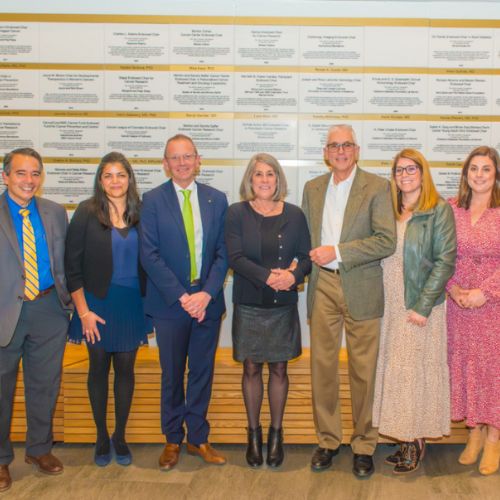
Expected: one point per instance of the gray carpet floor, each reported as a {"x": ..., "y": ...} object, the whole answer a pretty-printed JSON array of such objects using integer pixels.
[{"x": 440, "y": 476}]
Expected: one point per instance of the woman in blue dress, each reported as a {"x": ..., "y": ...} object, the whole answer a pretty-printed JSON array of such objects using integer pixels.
[{"x": 106, "y": 283}]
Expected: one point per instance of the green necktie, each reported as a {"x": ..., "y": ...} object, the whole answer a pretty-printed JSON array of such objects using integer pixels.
[
  {"x": 31, "y": 283},
  {"x": 187, "y": 216}
]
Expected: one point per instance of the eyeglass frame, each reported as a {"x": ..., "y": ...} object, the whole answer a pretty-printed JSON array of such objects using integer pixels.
[
  {"x": 405, "y": 169},
  {"x": 346, "y": 146},
  {"x": 188, "y": 157}
]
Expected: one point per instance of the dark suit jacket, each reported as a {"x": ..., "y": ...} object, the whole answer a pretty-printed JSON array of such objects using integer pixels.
[
  {"x": 55, "y": 223},
  {"x": 244, "y": 242},
  {"x": 89, "y": 257},
  {"x": 165, "y": 253},
  {"x": 368, "y": 235}
]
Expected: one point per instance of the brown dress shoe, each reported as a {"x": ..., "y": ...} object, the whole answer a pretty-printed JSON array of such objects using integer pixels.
[
  {"x": 48, "y": 463},
  {"x": 169, "y": 457},
  {"x": 5, "y": 479},
  {"x": 205, "y": 451}
]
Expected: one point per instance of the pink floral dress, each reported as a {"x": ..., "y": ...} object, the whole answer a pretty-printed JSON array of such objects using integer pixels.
[{"x": 474, "y": 334}]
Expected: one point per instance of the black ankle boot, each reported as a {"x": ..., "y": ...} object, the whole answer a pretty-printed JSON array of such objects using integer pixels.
[
  {"x": 254, "y": 448},
  {"x": 275, "y": 453}
]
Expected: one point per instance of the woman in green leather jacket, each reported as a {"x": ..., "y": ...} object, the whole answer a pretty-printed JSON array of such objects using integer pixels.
[{"x": 412, "y": 400}]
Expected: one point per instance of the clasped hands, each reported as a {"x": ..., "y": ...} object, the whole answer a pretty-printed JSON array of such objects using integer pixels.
[
  {"x": 467, "y": 299},
  {"x": 281, "y": 279},
  {"x": 195, "y": 304}
]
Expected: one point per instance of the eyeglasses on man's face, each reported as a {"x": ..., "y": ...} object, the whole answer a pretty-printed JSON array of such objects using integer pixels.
[
  {"x": 187, "y": 158},
  {"x": 336, "y": 146},
  {"x": 409, "y": 169}
]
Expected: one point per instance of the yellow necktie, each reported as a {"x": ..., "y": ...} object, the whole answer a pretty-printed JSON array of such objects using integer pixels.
[
  {"x": 187, "y": 216},
  {"x": 31, "y": 284}
]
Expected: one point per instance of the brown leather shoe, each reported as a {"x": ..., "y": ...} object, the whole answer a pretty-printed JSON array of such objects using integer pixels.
[
  {"x": 169, "y": 457},
  {"x": 48, "y": 463},
  {"x": 5, "y": 479},
  {"x": 209, "y": 454}
]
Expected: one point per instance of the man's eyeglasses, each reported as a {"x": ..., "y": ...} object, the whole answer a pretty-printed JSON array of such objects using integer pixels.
[
  {"x": 410, "y": 170},
  {"x": 346, "y": 146},
  {"x": 188, "y": 157}
]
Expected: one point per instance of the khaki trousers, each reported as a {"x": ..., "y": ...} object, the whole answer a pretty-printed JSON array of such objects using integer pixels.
[{"x": 329, "y": 315}]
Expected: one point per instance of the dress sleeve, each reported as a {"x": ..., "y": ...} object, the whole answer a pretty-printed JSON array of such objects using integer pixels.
[{"x": 491, "y": 285}]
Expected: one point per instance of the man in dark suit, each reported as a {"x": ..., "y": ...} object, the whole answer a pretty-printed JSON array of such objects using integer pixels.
[
  {"x": 34, "y": 306},
  {"x": 350, "y": 216},
  {"x": 184, "y": 255}
]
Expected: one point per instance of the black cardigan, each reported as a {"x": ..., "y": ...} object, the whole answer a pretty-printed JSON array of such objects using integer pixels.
[
  {"x": 88, "y": 259},
  {"x": 244, "y": 242}
]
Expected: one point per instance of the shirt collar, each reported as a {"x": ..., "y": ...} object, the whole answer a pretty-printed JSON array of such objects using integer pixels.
[
  {"x": 191, "y": 187},
  {"x": 345, "y": 184},
  {"x": 15, "y": 207}
]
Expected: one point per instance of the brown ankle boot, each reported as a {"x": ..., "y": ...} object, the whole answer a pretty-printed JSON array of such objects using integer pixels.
[
  {"x": 413, "y": 454},
  {"x": 475, "y": 443},
  {"x": 490, "y": 459}
]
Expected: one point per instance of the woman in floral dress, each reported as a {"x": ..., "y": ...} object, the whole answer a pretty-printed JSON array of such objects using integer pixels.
[{"x": 474, "y": 309}]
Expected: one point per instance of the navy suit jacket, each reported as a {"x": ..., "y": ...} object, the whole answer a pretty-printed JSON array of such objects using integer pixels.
[{"x": 164, "y": 251}]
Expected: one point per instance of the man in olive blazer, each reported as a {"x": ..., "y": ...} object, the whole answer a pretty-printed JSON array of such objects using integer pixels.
[
  {"x": 32, "y": 327},
  {"x": 352, "y": 226}
]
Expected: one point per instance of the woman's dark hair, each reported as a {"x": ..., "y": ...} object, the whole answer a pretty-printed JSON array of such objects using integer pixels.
[
  {"x": 465, "y": 191},
  {"x": 101, "y": 202}
]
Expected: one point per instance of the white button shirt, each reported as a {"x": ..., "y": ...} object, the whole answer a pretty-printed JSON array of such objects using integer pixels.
[
  {"x": 198, "y": 227},
  {"x": 333, "y": 215}
]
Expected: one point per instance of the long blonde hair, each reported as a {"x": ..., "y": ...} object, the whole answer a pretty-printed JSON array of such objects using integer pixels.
[{"x": 428, "y": 194}]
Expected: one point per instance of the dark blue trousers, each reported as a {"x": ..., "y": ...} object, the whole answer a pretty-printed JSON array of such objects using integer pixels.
[{"x": 179, "y": 340}]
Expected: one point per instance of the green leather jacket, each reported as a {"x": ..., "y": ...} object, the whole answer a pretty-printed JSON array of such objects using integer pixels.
[{"x": 429, "y": 253}]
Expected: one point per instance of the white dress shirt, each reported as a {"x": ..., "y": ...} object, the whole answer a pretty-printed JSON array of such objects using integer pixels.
[
  {"x": 198, "y": 227},
  {"x": 333, "y": 215}
]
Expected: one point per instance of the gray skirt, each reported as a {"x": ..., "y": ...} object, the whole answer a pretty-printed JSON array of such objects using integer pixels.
[{"x": 266, "y": 334}]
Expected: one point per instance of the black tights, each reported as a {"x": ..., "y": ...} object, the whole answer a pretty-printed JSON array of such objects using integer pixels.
[
  {"x": 253, "y": 391},
  {"x": 97, "y": 383}
]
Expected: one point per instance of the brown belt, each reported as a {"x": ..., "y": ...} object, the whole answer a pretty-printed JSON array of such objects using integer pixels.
[
  {"x": 41, "y": 294},
  {"x": 328, "y": 270}
]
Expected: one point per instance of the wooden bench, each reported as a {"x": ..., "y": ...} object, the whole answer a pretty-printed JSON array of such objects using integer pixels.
[
  {"x": 226, "y": 412},
  {"x": 73, "y": 354}
]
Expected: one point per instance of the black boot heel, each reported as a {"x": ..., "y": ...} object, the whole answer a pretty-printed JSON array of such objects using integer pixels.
[
  {"x": 254, "y": 447},
  {"x": 275, "y": 453}
]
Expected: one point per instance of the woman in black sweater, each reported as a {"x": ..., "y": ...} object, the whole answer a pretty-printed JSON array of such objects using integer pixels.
[{"x": 268, "y": 245}]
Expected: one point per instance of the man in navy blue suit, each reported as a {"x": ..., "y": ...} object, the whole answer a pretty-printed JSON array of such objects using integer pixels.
[{"x": 184, "y": 255}]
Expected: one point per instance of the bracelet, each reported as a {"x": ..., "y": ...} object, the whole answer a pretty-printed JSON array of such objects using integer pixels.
[{"x": 81, "y": 316}]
